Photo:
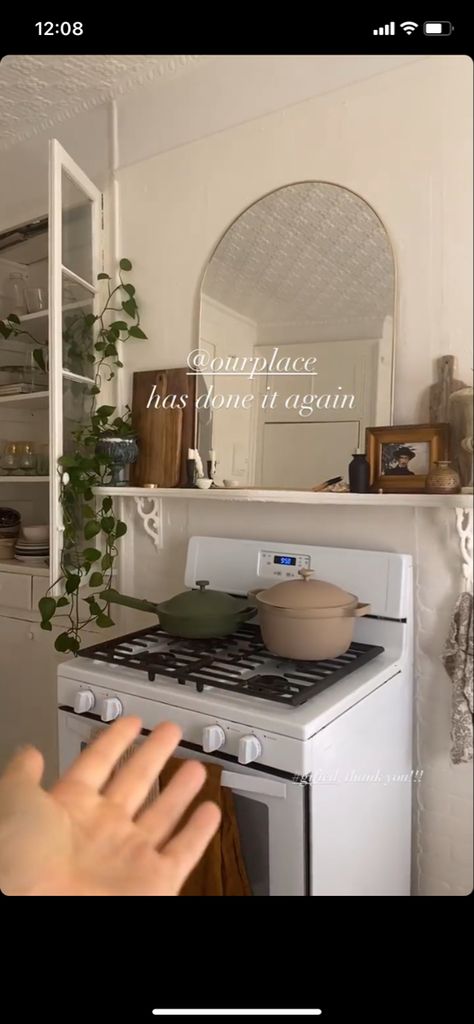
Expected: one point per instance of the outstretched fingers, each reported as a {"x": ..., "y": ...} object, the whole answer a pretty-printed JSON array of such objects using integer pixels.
[
  {"x": 132, "y": 783},
  {"x": 185, "y": 850},
  {"x": 95, "y": 764},
  {"x": 162, "y": 817}
]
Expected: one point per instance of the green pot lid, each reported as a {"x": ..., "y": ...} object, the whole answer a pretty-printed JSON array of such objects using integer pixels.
[{"x": 202, "y": 602}]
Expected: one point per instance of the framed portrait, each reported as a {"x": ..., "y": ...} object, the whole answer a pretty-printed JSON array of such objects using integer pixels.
[{"x": 400, "y": 458}]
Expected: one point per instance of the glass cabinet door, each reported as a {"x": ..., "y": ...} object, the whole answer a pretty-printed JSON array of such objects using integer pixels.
[{"x": 74, "y": 247}]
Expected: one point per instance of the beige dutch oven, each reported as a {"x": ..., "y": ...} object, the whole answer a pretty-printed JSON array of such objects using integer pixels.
[{"x": 307, "y": 619}]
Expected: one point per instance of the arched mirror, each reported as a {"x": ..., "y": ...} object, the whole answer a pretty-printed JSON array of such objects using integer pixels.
[{"x": 296, "y": 337}]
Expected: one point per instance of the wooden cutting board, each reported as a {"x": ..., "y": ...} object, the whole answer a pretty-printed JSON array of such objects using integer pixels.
[{"x": 164, "y": 434}]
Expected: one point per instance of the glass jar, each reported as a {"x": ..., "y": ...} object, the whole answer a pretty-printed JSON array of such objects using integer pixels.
[
  {"x": 27, "y": 463},
  {"x": 10, "y": 457},
  {"x": 16, "y": 294}
]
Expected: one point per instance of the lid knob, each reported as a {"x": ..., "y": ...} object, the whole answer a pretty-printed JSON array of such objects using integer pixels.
[
  {"x": 202, "y": 584},
  {"x": 305, "y": 574}
]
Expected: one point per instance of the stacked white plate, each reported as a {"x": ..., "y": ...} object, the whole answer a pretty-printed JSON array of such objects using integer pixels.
[{"x": 32, "y": 552}]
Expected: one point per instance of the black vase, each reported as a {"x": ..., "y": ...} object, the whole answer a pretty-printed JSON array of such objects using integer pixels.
[{"x": 359, "y": 474}]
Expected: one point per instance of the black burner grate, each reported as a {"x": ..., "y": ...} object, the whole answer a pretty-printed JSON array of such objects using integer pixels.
[{"x": 238, "y": 663}]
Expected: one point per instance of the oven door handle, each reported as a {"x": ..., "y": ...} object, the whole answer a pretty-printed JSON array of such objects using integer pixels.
[{"x": 252, "y": 784}]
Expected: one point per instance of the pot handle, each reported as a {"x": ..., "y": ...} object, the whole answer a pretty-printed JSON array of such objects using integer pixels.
[
  {"x": 359, "y": 610},
  {"x": 247, "y": 613},
  {"x": 140, "y": 604}
]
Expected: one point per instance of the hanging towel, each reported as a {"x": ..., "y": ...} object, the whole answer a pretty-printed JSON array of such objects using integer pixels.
[
  {"x": 221, "y": 871},
  {"x": 458, "y": 662}
]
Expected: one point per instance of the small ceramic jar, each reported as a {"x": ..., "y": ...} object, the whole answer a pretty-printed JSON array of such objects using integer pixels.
[{"x": 443, "y": 479}]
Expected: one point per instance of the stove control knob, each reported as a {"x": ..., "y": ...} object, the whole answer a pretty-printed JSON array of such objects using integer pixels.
[
  {"x": 249, "y": 749},
  {"x": 83, "y": 701},
  {"x": 111, "y": 708},
  {"x": 213, "y": 737}
]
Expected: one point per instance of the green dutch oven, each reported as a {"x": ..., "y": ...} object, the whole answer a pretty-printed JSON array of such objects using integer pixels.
[{"x": 196, "y": 614}]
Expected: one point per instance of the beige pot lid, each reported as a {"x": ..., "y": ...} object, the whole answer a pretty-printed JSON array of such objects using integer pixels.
[{"x": 306, "y": 593}]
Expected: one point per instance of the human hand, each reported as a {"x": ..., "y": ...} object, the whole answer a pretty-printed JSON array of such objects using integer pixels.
[{"x": 88, "y": 836}]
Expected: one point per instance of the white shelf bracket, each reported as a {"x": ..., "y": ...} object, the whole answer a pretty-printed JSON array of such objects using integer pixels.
[
  {"x": 151, "y": 514},
  {"x": 464, "y": 520}
]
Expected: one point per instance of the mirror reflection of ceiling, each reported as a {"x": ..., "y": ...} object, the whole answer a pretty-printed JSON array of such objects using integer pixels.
[{"x": 311, "y": 252}]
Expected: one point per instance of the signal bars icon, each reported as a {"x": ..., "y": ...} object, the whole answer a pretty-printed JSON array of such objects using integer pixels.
[{"x": 385, "y": 30}]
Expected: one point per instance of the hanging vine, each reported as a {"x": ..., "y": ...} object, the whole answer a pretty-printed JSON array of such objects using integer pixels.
[{"x": 91, "y": 527}]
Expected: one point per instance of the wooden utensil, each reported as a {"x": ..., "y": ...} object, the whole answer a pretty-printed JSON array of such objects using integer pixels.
[{"x": 327, "y": 483}]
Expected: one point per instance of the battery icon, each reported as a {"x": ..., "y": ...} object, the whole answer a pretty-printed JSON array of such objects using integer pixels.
[{"x": 437, "y": 28}]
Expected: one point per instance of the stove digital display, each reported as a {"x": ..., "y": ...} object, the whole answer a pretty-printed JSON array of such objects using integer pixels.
[{"x": 284, "y": 560}]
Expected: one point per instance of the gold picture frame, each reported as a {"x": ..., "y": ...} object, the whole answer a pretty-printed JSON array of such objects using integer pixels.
[{"x": 391, "y": 450}]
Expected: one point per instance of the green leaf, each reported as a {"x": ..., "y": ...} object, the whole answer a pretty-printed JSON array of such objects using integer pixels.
[
  {"x": 47, "y": 607},
  {"x": 4, "y": 329},
  {"x": 107, "y": 504},
  {"x": 72, "y": 584},
  {"x": 63, "y": 642},
  {"x": 110, "y": 350},
  {"x": 62, "y": 602},
  {"x": 91, "y": 554},
  {"x": 90, "y": 319},
  {"x": 129, "y": 289},
  {"x": 14, "y": 319},
  {"x": 107, "y": 524},
  {"x": 88, "y": 512},
  {"x": 94, "y": 389},
  {"x": 68, "y": 461},
  {"x": 95, "y": 608},
  {"x": 119, "y": 325},
  {"x": 104, "y": 411},
  {"x": 88, "y": 494},
  {"x": 136, "y": 332},
  {"x": 96, "y": 580},
  {"x": 103, "y": 277},
  {"x": 125, "y": 265},
  {"x": 130, "y": 307},
  {"x": 118, "y": 363},
  {"x": 46, "y": 625},
  {"x": 104, "y": 621},
  {"x": 107, "y": 562},
  {"x": 91, "y": 529},
  {"x": 39, "y": 358},
  {"x": 120, "y": 529}
]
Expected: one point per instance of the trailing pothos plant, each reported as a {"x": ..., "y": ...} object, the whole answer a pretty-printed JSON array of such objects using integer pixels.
[{"x": 91, "y": 527}]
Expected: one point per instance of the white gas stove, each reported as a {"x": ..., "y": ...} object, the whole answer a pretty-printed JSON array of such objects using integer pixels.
[{"x": 318, "y": 754}]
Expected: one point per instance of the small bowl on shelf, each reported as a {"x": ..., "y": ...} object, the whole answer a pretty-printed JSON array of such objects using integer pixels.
[{"x": 37, "y": 533}]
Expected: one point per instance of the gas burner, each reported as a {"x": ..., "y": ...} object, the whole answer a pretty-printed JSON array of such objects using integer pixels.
[{"x": 238, "y": 663}]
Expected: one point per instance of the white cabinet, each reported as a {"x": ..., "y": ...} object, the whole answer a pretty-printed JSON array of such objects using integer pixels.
[
  {"x": 56, "y": 259},
  {"x": 28, "y": 702}
]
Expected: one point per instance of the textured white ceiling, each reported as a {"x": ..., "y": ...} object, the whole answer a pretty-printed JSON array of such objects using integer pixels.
[
  {"x": 38, "y": 92},
  {"x": 310, "y": 252}
]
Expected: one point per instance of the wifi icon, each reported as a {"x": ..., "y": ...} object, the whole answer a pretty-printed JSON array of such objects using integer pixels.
[{"x": 408, "y": 27}]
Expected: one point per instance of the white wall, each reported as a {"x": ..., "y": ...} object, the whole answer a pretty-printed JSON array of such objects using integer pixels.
[
  {"x": 390, "y": 138},
  {"x": 403, "y": 141}
]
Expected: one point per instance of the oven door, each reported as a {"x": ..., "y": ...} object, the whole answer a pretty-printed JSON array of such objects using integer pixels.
[{"x": 272, "y": 810}]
